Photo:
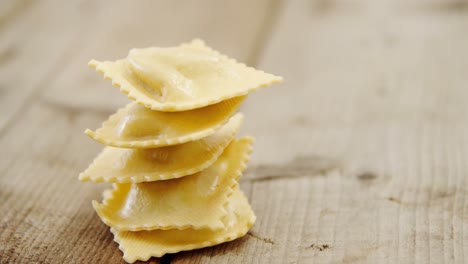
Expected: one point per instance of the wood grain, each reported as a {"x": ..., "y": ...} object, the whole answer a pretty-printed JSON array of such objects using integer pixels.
[
  {"x": 34, "y": 46},
  {"x": 360, "y": 155}
]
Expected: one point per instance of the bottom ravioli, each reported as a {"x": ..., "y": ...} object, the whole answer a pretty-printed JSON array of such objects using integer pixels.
[{"x": 142, "y": 245}]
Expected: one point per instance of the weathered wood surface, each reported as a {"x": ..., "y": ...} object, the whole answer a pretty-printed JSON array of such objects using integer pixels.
[{"x": 360, "y": 157}]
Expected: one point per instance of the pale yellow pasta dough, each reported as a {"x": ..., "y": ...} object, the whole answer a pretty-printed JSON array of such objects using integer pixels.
[
  {"x": 185, "y": 77},
  {"x": 143, "y": 165},
  {"x": 143, "y": 245},
  {"x": 138, "y": 127},
  {"x": 195, "y": 201}
]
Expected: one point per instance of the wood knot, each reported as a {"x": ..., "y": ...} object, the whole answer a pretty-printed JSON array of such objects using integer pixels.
[
  {"x": 366, "y": 176},
  {"x": 265, "y": 240},
  {"x": 319, "y": 247}
]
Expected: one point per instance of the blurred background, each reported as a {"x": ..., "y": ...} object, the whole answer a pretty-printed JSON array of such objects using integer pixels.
[{"x": 360, "y": 154}]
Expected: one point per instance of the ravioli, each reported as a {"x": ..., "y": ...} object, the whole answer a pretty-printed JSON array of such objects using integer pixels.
[
  {"x": 171, "y": 153},
  {"x": 196, "y": 201},
  {"x": 142, "y": 245},
  {"x": 138, "y": 127},
  {"x": 180, "y": 78},
  {"x": 144, "y": 165}
]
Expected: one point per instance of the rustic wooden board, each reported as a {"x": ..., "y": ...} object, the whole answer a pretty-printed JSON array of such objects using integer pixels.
[{"x": 360, "y": 155}]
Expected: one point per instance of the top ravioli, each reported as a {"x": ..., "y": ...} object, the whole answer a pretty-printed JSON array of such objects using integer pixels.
[{"x": 180, "y": 78}]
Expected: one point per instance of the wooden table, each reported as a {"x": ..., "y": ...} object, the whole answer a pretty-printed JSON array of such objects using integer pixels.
[{"x": 360, "y": 157}]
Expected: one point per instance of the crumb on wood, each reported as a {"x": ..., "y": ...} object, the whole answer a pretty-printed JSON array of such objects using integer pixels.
[{"x": 266, "y": 240}]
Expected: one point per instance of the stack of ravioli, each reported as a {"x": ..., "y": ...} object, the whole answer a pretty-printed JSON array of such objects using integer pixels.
[{"x": 172, "y": 153}]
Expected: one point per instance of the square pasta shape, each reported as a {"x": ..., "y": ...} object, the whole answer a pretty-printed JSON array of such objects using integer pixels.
[
  {"x": 123, "y": 165},
  {"x": 196, "y": 201},
  {"x": 135, "y": 126},
  {"x": 142, "y": 245},
  {"x": 180, "y": 78}
]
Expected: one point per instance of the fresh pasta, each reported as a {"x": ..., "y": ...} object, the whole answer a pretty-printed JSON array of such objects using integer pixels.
[{"x": 172, "y": 154}]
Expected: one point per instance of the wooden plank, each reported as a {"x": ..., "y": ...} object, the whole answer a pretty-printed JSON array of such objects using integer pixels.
[
  {"x": 361, "y": 154},
  {"x": 32, "y": 47},
  {"x": 46, "y": 214}
]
